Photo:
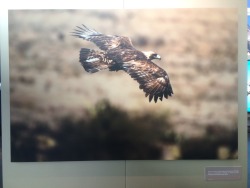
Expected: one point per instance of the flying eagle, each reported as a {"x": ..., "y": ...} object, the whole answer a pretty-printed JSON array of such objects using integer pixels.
[{"x": 118, "y": 53}]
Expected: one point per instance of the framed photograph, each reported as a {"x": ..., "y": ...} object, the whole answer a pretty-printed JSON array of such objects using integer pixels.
[{"x": 148, "y": 84}]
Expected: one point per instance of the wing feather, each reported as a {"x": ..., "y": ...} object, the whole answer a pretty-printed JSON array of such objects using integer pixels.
[
  {"x": 152, "y": 79},
  {"x": 104, "y": 42}
]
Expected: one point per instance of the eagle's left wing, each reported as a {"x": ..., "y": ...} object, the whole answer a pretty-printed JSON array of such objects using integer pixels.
[
  {"x": 104, "y": 42},
  {"x": 152, "y": 79}
]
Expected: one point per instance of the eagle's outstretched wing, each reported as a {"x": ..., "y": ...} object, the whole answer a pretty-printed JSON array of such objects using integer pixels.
[
  {"x": 104, "y": 42},
  {"x": 152, "y": 79}
]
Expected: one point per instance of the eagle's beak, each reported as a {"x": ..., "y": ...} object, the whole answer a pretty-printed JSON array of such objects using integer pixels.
[{"x": 158, "y": 57}]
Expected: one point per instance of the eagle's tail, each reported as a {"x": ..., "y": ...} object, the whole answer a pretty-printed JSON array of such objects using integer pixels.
[{"x": 93, "y": 61}]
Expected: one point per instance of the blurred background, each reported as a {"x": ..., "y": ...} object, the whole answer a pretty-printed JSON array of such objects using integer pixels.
[{"x": 59, "y": 112}]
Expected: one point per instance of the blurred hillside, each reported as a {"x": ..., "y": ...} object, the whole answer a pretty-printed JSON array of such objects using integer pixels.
[{"x": 198, "y": 49}]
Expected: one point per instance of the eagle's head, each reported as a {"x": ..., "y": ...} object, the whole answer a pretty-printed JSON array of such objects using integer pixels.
[{"x": 152, "y": 55}]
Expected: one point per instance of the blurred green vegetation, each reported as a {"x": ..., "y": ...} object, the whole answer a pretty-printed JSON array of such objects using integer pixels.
[{"x": 110, "y": 133}]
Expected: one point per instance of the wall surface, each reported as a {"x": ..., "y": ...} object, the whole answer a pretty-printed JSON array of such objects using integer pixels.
[{"x": 114, "y": 174}]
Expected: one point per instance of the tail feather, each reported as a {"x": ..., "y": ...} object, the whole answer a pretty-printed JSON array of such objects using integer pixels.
[{"x": 92, "y": 61}]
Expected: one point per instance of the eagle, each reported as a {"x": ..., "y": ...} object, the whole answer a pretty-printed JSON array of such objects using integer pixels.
[{"x": 118, "y": 53}]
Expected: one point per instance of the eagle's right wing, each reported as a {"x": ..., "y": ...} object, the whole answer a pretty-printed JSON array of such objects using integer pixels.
[
  {"x": 104, "y": 42},
  {"x": 152, "y": 79}
]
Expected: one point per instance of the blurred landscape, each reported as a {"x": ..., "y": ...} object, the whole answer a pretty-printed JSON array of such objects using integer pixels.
[{"x": 59, "y": 112}]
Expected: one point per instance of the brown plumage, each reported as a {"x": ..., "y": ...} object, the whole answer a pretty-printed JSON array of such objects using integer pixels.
[{"x": 118, "y": 53}]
